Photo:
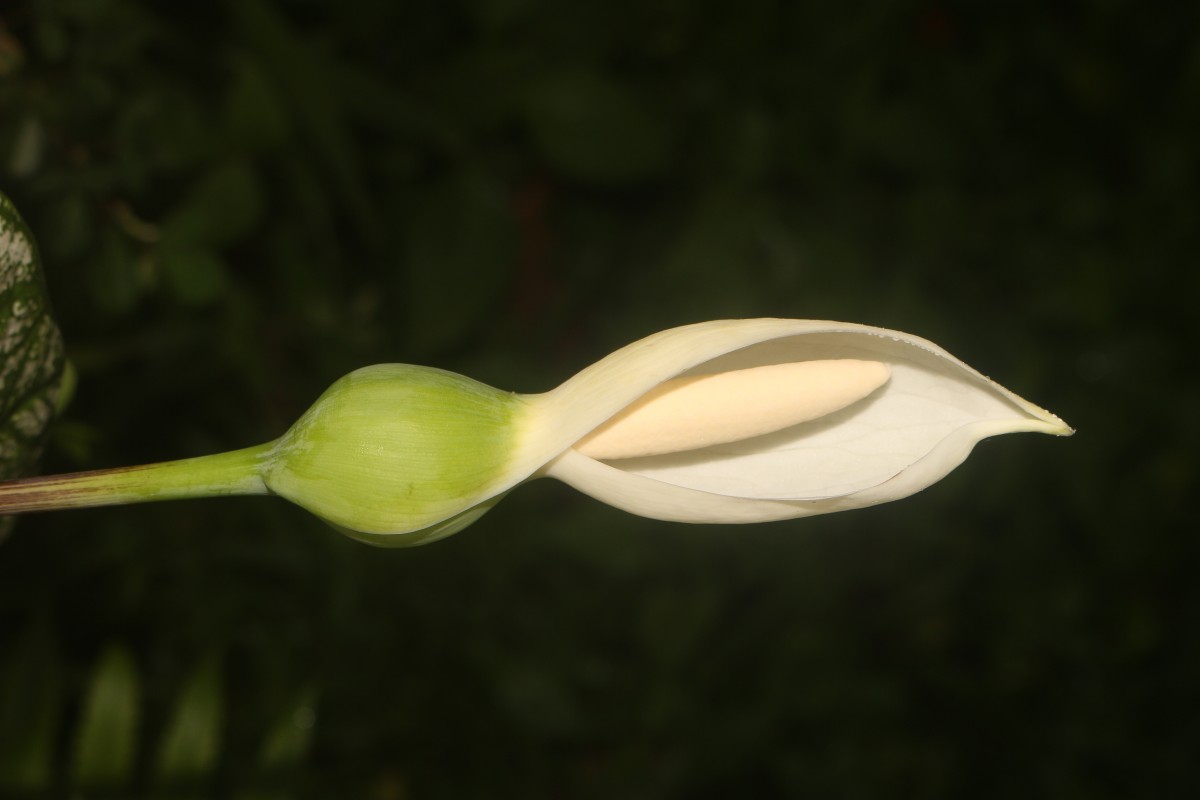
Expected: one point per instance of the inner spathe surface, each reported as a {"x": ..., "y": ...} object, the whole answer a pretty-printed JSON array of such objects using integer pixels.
[{"x": 927, "y": 398}]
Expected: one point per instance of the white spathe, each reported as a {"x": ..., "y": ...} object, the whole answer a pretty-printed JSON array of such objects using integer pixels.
[{"x": 907, "y": 432}]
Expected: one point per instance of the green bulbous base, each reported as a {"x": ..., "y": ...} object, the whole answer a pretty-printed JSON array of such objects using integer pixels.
[{"x": 395, "y": 448}]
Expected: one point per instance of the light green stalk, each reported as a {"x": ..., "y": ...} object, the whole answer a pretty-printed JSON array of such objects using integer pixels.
[{"x": 237, "y": 472}]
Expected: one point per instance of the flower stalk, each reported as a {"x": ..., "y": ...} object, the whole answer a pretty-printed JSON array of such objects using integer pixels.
[{"x": 237, "y": 472}]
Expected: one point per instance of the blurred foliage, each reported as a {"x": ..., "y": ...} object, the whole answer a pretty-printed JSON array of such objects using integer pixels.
[{"x": 238, "y": 202}]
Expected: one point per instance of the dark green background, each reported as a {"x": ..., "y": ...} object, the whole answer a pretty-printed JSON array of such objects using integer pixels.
[{"x": 239, "y": 202}]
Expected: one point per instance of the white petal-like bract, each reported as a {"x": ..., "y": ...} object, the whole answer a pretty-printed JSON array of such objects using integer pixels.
[{"x": 908, "y": 434}]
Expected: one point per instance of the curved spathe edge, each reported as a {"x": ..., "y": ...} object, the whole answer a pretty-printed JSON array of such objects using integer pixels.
[{"x": 657, "y": 499}]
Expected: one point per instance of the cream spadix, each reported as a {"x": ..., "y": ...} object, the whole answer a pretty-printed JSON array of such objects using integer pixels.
[
  {"x": 728, "y": 421},
  {"x": 693, "y": 413}
]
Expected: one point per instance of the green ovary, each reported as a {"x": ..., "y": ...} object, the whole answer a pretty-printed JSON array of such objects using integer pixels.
[{"x": 396, "y": 448}]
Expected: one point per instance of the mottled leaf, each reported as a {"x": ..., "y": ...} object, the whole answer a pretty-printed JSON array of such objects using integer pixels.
[{"x": 31, "y": 350}]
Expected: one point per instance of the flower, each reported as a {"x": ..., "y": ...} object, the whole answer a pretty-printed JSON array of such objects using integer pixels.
[{"x": 731, "y": 421}]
